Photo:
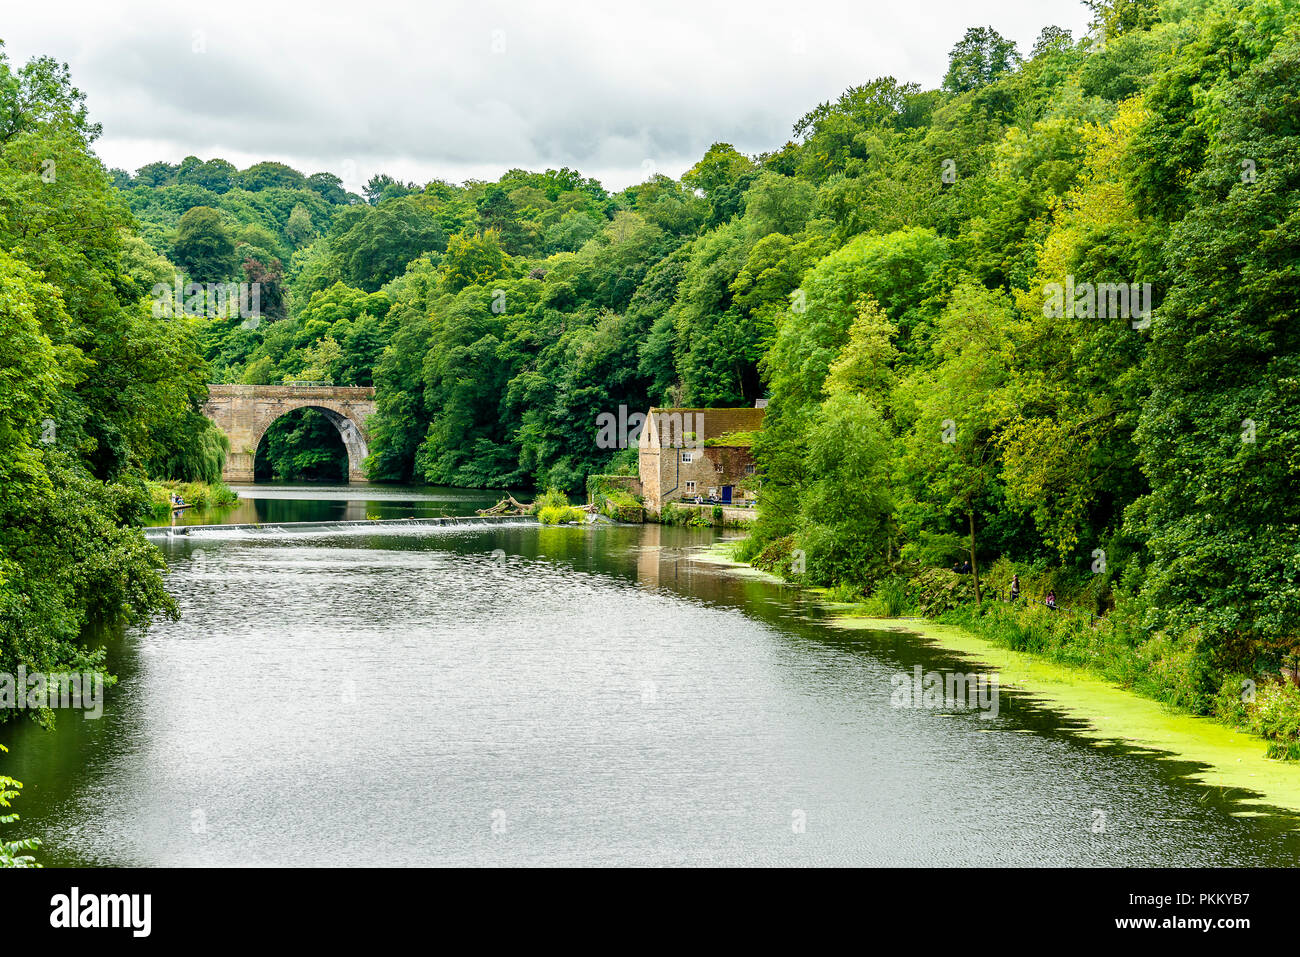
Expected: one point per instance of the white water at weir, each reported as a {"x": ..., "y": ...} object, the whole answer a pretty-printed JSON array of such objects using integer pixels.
[{"x": 417, "y": 526}]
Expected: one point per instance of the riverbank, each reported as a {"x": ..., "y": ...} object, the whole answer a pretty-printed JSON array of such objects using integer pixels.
[
  {"x": 1225, "y": 758},
  {"x": 199, "y": 495}
]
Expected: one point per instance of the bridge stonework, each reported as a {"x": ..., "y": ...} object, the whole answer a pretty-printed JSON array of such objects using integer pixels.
[{"x": 245, "y": 412}]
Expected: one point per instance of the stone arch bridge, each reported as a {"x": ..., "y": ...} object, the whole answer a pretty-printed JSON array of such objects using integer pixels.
[{"x": 245, "y": 412}]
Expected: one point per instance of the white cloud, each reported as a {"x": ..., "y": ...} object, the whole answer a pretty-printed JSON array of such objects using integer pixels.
[{"x": 471, "y": 89}]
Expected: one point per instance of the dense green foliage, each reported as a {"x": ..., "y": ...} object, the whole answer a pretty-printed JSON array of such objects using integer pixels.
[
  {"x": 95, "y": 391},
  {"x": 928, "y": 405},
  {"x": 884, "y": 279}
]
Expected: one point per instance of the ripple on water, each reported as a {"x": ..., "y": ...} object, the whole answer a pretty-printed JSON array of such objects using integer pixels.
[{"x": 575, "y": 696}]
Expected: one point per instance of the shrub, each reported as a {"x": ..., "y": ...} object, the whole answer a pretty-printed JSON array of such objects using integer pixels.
[
  {"x": 551, "y": 498},
  {"x": 890, "y": 598},
  {"x": 778, "y": 558},
  {"x": 1272, "y": 712},
  {"x": 673, "y": 514},
  {"x": 560, "y": 515},
  {"x": 11, "y": 852}
]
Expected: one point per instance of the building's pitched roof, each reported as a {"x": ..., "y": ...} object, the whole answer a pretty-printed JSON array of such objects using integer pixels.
[{"x": 705, "y": 423}]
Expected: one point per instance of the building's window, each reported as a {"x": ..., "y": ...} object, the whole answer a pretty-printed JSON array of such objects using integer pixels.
[
  {"x": 688, "y": 457},
  {"x": 749, "y": 470},
  {"x": 690, "y": 488}
]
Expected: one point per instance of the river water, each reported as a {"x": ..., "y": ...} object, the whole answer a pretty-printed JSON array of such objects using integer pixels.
[
  {"x": 271, "y": 502},
  {"x": 524, "y": 695}
]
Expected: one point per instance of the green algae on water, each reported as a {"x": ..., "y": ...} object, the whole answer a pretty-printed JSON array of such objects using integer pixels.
[{"x": 1225, "y": 758}]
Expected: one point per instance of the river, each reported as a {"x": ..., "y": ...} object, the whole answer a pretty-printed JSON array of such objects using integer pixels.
[
  {"x": 518, "y": 695},
  {"x": 271, "y": 502}
]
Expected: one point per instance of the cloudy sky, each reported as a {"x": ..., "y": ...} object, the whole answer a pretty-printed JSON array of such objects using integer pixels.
[{"x": 456, "y": 90}]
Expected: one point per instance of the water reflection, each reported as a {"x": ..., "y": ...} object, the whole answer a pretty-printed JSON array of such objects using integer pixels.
[
  {"x": 524, "y": 695},
  {"x": 275, "y": 502}
]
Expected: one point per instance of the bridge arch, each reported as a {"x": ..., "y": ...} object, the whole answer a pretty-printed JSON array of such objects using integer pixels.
[{"x": 245, "y": 412}]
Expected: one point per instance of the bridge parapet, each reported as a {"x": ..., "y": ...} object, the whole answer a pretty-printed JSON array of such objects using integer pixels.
[{"x": 292, "y": 391}]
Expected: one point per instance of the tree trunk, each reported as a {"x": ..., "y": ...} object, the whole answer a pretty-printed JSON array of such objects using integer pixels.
[{"x": 974, "y": 569}]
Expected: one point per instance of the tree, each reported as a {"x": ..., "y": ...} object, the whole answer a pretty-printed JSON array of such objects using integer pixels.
[
  {"x": 722, "y": 175},
  {"x": 900, "y": 271},
  {"x": 979, "y": 58},
  {"x": 498, "y": 214},
  {"x": 381, "y": 186},
  {"x": 718, "y": 343},
  {"x": 950, "y": 456},
  {"x": 1218, "y": 433},
  {"x": 271, "y": 175},
  {"x": 400, "y": 419},
  {"x": 375, "y": 245},
  {"x": 1113, "y": 18},
  {"x": 72, "y": 444},
  {"x": 64, "y": 553},
  {"x": 272, "y": 297},
  {"x": 472, "y": 259},
  {"x": 155, "y": 174},
  {"x": 203, "y": 246},
  {"x": 1073, "y": 401},
  {"x": 846, "y": 513},
  {"x": 299, "y": 229},
  {"x": 778, "y": 204},
  {"x": 329, "y": 187},
  {"x": 571, "y": 233},
  {"x": 323, "y": 360},
  {"x": 1051, "y": 40},
  {"x": 216, "y": 175},
  {"x": 866, "y": 364}
]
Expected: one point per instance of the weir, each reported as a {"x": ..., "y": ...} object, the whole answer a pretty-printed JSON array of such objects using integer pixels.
[{"x": 458, "y": 520}]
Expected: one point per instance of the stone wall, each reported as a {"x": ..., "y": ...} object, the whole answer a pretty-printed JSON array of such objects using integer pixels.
[
  {"x": 730, "y": 515},
  {"x": 651, "y": 482},
  {"x": 626, "y": 483},
  {"x": 709, "y": 467}
]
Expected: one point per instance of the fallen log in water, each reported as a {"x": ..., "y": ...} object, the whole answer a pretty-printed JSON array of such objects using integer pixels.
[{"x": 507, "y": 506}]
